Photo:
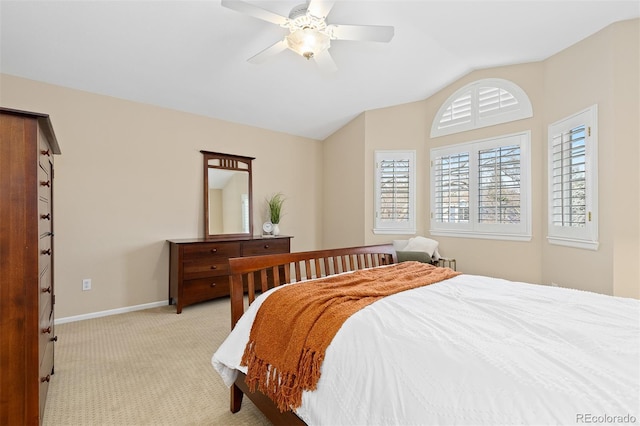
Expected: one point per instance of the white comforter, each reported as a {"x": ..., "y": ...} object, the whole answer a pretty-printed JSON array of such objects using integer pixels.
[{"x": 474, "y": 350}]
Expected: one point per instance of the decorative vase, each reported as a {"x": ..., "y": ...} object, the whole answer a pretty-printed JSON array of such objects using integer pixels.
[{"x": 276, "y": 229}]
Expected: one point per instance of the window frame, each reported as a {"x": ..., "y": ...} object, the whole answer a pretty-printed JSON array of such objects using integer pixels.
[
  {"x": 395, "y": 227},
  {"x": 472, "y": 229},
  {"x": 578, "y": 237}
]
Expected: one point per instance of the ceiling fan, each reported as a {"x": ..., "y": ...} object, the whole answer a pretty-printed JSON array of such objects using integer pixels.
[{"x": 309, "y": 34}]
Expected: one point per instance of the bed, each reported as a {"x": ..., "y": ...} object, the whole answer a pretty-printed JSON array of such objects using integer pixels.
[{"x": 466, "y": 350}]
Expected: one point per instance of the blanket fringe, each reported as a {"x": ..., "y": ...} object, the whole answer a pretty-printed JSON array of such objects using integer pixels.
[{"x": 283, "y": 387}]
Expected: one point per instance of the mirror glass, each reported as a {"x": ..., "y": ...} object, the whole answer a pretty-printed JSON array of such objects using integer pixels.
[{"x": 227, "y": 198}]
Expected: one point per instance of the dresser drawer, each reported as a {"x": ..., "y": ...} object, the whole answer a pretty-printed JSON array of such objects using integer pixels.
[
  {"x": 208, "y": 250},
  {"x": 265, "y": 246},
  {"x": 205, "y": 289},
  {"x": 203, "y": 267},
  {"x": 199, "y": 269}
]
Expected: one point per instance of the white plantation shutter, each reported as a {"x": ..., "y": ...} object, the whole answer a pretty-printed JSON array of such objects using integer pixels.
[
  {"x": 573, "y": 181},
  {"x": 499, "y": 185},
  {"x": 495, "y": 100},
  {"x": 457, "y": 112},
  {"x": 395, "y": 192},
  {"x": 482, "y": 189},
  {"x": 479, "y": 104},
  {"x": 451, "y": 188},
  {"x": 569, "y": 178}
]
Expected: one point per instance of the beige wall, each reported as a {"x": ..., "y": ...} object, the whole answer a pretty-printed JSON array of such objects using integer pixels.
[
  {"x": 130, "y": 177},
  {"x": 608, "y": 65},
  {"x": 403, "y": 128},
  {"x": 626, "y": 98},
  {"x": 344, "y": 186},
  {"x": 607, "y": 74}
]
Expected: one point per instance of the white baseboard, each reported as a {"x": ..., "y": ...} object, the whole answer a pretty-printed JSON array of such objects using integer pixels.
[{"x": 111, "y": 312}]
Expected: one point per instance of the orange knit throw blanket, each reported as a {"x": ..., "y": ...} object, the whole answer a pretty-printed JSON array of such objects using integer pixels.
[{"x": 295, "y": 325}]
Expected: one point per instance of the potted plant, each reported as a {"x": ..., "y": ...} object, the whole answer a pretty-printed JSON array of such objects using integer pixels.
[{"x": 275, "y": 210}]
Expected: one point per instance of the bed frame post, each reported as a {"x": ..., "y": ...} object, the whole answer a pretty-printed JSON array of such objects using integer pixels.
[
  {"x": 236, "y": 398},
  {"x": 236, "y": 295}
]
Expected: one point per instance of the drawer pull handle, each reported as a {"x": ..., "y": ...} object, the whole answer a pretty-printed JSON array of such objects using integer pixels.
[
  {"x": 214, "y": 267},
  {"x": 266, "y": 246},
  {"x": 54, "y": 339},
  {"x": 213, "y": 284},
  {"x": 47, "y": 153},
  {"x": 45, "y": 183},
  {"x": 47, "y": 252},
  {"x": 46, "y": 330},
  {"x": 45, "y": 379},
  {"x": 46, "y": 216},
  {"x": 47, "y": 290},
  {"x": 214, "y": 250}
]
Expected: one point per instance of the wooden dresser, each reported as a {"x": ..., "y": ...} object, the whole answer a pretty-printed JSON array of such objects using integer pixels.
[
  {"x": 199, "y": 268},
  {"x": 27, "y": 145}
]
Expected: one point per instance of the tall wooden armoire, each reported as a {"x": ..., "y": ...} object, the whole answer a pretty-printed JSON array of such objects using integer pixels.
[{"x": 27, "y": 146}]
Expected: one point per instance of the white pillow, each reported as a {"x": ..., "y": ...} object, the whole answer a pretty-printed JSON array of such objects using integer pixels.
[
  {"x": 422, "y": 244},
  {"x": 399, "y": 245}
]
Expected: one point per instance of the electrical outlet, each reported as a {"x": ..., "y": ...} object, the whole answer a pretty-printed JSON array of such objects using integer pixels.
[{"x": 86, "y": 284}]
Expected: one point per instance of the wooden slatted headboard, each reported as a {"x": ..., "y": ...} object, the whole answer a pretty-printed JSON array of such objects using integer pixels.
[{"x": 264, "y": 272}]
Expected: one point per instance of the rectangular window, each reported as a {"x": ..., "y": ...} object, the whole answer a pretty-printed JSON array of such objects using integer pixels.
[
  {"x": 482, "y": 189},
  {"x": 573, "y": 181},
  {"x": 452, "y": 188},
  {"x": 395, "y": 192}
]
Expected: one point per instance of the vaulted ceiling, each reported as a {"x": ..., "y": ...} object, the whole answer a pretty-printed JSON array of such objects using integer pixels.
[{"x": 191, "y": 55}]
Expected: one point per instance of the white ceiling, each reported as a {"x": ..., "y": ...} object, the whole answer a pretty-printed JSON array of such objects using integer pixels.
[{"x": 191, "y": 55}]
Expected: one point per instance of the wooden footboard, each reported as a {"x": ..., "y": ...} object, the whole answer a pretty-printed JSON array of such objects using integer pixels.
[{"x": 263, "y": 272}]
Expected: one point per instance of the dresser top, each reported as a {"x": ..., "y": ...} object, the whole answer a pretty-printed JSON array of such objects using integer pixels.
[{"x": 222, "y": 239}]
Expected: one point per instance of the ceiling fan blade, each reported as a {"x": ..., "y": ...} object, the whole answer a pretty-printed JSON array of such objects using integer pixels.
[
  {"x": 361, "y": 32},
  {"x": 270, "y": 51},
  {"x": 320, "y": 8},
  {"x": 255, "y": 11},
  {"x": 325, "y": 61}
]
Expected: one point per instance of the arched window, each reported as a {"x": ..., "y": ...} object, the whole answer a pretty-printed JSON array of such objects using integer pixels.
[{"x": 480, "y": 104}]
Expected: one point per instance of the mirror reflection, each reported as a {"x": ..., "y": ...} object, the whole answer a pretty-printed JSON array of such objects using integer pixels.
[
  {"x": 228, "y": 202},
  {"x": 227, "y": 195}
]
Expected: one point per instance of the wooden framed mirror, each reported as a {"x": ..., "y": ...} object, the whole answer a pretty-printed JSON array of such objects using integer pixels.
[{"x": 228, "y": 204}]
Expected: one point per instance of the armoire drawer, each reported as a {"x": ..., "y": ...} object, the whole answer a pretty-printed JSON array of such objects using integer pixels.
[
  {"x": 45, "y": 331},
  {"x": 46, "y": 368},
  {"x": 44, "y": 217},
  {"x": 265, "y": 246},
  {"x": 46, "y": 290}
]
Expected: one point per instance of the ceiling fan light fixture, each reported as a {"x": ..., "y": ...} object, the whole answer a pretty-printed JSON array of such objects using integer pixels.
[{"x": 308, "y": 42}]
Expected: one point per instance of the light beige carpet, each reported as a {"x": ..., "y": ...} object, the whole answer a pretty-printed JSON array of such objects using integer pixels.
[{"x": 150, "y": 367}]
